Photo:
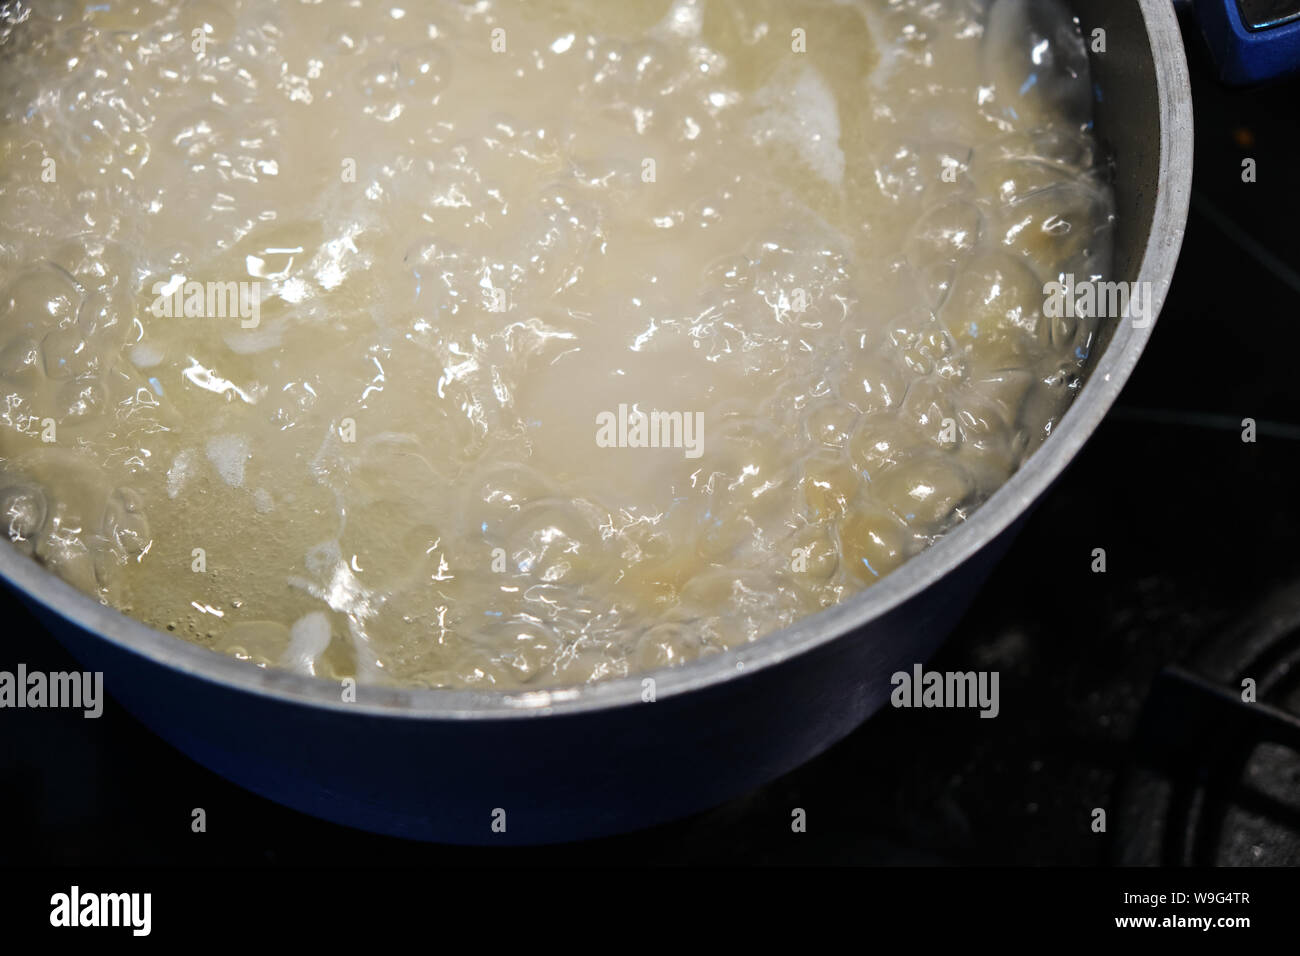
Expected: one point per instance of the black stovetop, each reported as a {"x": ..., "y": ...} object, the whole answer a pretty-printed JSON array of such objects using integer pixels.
[{"x": 1119, "y": 690}]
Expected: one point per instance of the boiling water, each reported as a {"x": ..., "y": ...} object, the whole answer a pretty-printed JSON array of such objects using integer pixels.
[{"x": 428, "y": 264}]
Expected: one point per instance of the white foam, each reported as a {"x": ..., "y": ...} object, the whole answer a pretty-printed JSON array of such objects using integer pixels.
[
  {"x": 251, "y": 342},
  {"x": 802, "y": 113},
  {"x": 685, "y": 19},
  {"x": 180, "y": 471},
  {"x": 308, "y": 639},
  {"x": 146, "y": 355},
  {"x": 228, "y": 453}
]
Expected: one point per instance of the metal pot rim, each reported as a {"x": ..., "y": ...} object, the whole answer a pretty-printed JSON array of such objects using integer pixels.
[{"x": 988, "y": 521}]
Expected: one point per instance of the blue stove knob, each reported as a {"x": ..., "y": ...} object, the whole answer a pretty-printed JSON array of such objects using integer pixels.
[{"x": 1252, "y": 40}]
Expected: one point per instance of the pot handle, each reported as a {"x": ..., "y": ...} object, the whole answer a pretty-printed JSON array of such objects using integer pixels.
[{"x": 1251, "y": 40}]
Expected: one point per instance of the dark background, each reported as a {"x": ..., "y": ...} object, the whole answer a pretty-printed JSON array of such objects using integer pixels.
[{"x": 1203, "y": 575}]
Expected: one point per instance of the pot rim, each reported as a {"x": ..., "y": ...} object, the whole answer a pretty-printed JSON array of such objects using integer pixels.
[{"x": 988, "y": 521}]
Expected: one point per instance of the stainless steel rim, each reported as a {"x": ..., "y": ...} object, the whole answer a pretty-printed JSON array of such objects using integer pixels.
[{"x": 991, "y": 519}]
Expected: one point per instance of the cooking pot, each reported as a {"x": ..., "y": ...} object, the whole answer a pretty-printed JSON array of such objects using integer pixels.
[{"x": 549, "y": 765}]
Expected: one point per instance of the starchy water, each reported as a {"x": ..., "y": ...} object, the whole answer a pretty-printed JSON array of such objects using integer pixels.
[{"x": 331, "y": 333}]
